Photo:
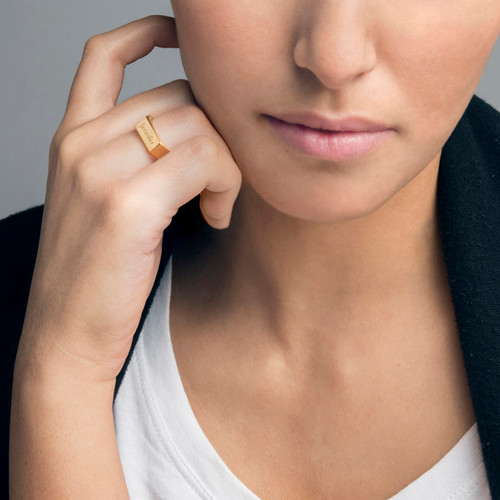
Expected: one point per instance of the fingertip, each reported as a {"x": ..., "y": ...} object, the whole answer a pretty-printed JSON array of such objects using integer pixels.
[
  {"x": 217, "y": 223},
  {"x": 169, "y": 38},
  {"x": 175, "y": 38}
]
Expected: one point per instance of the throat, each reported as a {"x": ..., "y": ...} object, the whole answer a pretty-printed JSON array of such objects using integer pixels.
[{"x": 265, "y": 402}]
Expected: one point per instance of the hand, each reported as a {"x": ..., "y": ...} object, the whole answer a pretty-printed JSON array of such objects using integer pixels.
[{"x": 108, "y": 202}]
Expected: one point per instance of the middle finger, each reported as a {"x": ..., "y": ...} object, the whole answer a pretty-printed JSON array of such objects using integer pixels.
[
  {"x": 126, "y": 154},
  {"x": 123, "y": 117}
]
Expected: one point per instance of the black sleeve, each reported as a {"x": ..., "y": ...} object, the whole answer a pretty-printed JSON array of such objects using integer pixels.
[{"x": 19, "y": 236}]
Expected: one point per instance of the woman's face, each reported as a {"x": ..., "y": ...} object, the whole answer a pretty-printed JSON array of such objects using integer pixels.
[{"x": 412, "y": 65}]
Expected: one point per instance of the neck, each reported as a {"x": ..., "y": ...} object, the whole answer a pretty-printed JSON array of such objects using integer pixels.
[{"x": 292, "y": 275}]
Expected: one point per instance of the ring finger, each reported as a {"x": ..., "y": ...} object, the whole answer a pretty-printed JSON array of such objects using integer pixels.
[{"x": 126, "y": 154}]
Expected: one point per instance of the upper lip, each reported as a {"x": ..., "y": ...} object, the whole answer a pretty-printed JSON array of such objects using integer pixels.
[{"x": 323, "y": 122}]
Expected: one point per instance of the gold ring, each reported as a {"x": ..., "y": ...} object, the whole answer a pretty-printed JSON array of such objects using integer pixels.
[{"x": 150, "y": 138}]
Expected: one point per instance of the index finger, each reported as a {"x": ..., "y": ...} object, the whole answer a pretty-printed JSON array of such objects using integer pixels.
[{"x": 99, "y": 77}]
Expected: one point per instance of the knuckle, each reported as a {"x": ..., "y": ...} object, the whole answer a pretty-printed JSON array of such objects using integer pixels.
[
  {"x": 193, "y": 114},
  {"x": 203, "y": 147},
  {"x": 216, "y": 207},
  {"x": 94, "y": 43},
  {"x": 236, "y": 173},
  {"x": 53, "y": 149},
  {"x": 121, "y": 203},
  {"x": 182, "y": 89},
  {"x": 181, "y": 86},
  {"x": 160, "y": 19},
  {"x": 66, "y": 147}
]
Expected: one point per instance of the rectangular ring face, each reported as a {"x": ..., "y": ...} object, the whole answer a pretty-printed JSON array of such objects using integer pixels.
[{"x": 148, "y": 135}]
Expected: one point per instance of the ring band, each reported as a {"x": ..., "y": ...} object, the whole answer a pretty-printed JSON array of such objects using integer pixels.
[{"x": 150, "y": 138}]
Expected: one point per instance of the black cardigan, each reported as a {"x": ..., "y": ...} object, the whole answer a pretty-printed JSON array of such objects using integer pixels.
[{"x": 469, "y": 219}]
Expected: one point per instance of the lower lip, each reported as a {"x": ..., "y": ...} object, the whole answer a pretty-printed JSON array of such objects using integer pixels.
[{"x": 333, "y": 146}]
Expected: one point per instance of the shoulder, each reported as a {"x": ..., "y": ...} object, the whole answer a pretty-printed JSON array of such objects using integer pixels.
[
  {"x": 470, "y": 163},
  {"x": 477, "y": 135},
  {"x": 484, "y": 121},
  {"x": 483, "y": 112}
]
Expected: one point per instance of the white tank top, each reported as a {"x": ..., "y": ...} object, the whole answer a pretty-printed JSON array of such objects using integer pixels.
[{"x": 166, "y": 455}]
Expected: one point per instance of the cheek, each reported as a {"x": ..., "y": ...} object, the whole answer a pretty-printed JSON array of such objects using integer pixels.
[
  {"x": 226, "y": 47},
  {"x": 217, "y": 42},
  {"x": 438, "y": 60}
]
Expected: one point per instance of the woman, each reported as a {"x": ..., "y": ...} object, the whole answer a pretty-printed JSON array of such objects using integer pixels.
[{"x": 312, "y": 320}]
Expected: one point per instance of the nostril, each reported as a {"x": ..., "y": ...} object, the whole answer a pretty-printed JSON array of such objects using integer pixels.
[{"x": 336, "y": 49}]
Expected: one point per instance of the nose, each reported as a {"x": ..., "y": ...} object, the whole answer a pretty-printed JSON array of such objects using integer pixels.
[{"x": 335, "y": 41}]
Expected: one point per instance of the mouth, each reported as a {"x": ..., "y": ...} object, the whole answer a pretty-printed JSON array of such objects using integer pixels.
[{"x": 330, "y": 139}]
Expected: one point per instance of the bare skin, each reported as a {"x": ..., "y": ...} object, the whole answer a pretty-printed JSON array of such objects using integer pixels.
[
  {"x": 329, "y": 303},
  {"x": 106, "y": 207},
  {"x": 330, "y": 395},
  {"x": 333, "y": 316},
  {"x": 321, "y": 425}
]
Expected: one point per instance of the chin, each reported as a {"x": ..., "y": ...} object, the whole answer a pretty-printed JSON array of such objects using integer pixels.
[
  {"x": 331, "y": 214},
  {"x": 321, "y": 206}
]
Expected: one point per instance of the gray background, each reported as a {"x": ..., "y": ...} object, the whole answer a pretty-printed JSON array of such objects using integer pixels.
[{"x": 41, "y": 43}]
